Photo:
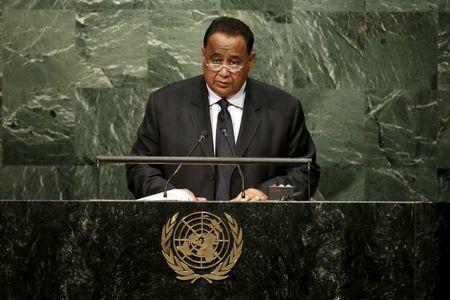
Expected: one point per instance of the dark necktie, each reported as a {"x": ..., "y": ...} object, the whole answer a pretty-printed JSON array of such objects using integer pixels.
[{"x": 223, "y": 172}]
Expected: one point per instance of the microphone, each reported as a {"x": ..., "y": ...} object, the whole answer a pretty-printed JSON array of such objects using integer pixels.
[
  {"x": 203, "y": 136},
  {"x": 225, "y": 133}
]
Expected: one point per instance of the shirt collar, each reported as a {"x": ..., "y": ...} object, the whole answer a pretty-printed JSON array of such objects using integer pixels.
[{"x": 235, "y": 100}]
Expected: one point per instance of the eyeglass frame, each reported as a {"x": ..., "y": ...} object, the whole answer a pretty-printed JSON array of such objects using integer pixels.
[{"x": 226, "y": 67}]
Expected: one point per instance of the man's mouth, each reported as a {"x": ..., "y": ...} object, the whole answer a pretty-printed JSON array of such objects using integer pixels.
[{"x": 223, "y": 83}]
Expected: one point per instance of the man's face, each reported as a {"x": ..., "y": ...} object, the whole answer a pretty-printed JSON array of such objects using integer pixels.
[{"x": 226, "y": 50}]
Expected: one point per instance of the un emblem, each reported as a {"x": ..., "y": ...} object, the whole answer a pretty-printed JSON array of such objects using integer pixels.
[{"x": 201, "y": 245}]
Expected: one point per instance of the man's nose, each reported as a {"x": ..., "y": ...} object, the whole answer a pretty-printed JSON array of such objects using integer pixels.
[{"x": 224, "y": 72}]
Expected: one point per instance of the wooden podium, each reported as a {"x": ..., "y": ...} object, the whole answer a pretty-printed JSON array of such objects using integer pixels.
[{"x": 290, "y": 250}]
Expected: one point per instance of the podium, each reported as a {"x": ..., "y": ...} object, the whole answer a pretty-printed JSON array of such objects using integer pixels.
[{"x": 291, "y": 250}]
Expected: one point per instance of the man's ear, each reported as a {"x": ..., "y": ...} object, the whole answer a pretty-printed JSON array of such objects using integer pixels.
[
  {"x": 203, "y": 54},
  {"x": 251, "y": 58}
]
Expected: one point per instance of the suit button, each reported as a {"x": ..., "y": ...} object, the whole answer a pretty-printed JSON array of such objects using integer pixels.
[{"x": 212, "y": 178}]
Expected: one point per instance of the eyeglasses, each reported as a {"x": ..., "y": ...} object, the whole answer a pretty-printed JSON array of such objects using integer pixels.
[{"x": 216, "y": 67}]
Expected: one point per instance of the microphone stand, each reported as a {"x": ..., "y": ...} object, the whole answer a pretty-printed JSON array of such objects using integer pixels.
[{"x": 200, "y": 140}]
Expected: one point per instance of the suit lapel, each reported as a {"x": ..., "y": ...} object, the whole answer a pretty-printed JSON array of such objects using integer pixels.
[
  {"x": 251, "y": 120},
  {"x": 199, "y": 114}
]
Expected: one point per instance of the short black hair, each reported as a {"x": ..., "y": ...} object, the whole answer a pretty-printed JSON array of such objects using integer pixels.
[{"x": 230, "y": 26}]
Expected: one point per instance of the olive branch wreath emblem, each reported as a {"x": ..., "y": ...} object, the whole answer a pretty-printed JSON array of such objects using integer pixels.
[{"x": 184, "y": 272}]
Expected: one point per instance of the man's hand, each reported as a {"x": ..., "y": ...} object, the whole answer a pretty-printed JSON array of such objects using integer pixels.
[
  {"x": 191, "y": 194},
  {"x": 252, "y": 195}
]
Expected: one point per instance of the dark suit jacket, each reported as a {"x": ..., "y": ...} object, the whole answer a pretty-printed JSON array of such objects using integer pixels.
[{"x": 273, "y": 125}]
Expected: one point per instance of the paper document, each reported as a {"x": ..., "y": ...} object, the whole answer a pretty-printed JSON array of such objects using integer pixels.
[{"x": 174, "y": 194}]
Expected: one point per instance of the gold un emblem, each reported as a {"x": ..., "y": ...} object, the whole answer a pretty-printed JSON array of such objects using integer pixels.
[{"x": 201, "y": 245}]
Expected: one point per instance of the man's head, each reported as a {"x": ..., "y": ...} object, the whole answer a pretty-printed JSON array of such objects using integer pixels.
[{"x": 227, "y": 55}]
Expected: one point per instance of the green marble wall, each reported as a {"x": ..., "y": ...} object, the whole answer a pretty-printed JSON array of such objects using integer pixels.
[{"x": 374, "y": 78}]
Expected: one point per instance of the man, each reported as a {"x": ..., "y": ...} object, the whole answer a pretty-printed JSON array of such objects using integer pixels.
[{"x": 234, "y": 112}]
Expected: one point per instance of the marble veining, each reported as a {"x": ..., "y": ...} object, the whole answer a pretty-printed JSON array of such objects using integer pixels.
[
  {"x": 443, "y": 135},
  {"x": 443, "y": 185},
  {"x": 257, "y": 4},
  {"x": 37, "y": 182},
  {"x": 403, "y": 5},
  {"x": 38, "y": 127},
  {"x": 184, "y": 4},
  {"x": 444, "y": 52},
  {"x": 400, "y": 184},
  {"x": 107, "y": 121},
  {"x": 401, "y": 50},
  {"x": 401, "y": 128},
  {"x": 330, "y": 5},
  {"x": 328, "y": 50},
  {"x": 40, "y": 51},
  {"x": 111, "y": 4},
  {"x": 309, "y": 250},
  {"x": 39, "y": 4},
  {"x": 113, "y": 41},
  {"x": 372, "y": 77}
]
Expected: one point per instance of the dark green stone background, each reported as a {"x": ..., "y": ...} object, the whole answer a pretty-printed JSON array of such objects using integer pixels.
[{"x": 373, "y": 77}]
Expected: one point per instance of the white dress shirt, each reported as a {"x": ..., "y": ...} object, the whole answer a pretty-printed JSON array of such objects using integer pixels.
[{"x": 235, "y": 109}]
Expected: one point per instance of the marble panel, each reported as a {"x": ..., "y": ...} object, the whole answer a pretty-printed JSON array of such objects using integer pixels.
[
  {"x": 314, "y": 243},
  {"x": 38, "y": 126},
  {"x": 90, "y": 76},
  {"x": 273, "y": 45},
  {"x": 443, "y": 137},
  {"x": 107, "y": 121},
  {"x": 432, "y": 254},
  {"x": 445, "y": 5},
  {"x": 111, "y": 46},
  {"x": 341, "y": 183},
  {"x": 328, "y": 50},
  {"x": 51, "y": 232},
  {"x": 346, "y": 264},
  {"x": 400, "y": 184},
  {"x": 403, "y": 5},
  {"x": 39, "y": 49},
  {"x": 37, "y": 182},
  {"x": 184, "y": 4},
  {"x": 329, "y": 5},
  {"x": 401, "y": 128},
  {"x": 272, "y": 268},
  {"x": 86, "y": 180},
  {"x": 443, "y": 185},
  {"x": 401, "y": 50},
  {"x": 444, "y": 51},
  {"x": 38, "y": 4},
  {"x": 1, "y": 131},
  {"x": 257, "y": 4},
  {"x": 1, "y": 50},
  {"x": 325, "y": 252},
  {"x": 111, "y": 179},
  {"x": 176, "y": 38},
  {"x": 291, "y": 251},
  {"x": 110, "y": 4},
  {"x": 1, "y": 88},
  {"x": 335, "y": 119}
]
